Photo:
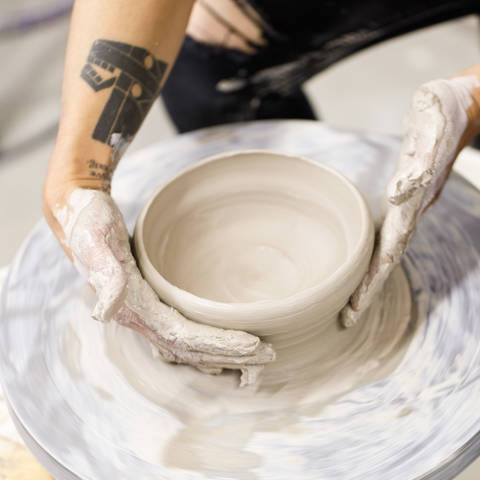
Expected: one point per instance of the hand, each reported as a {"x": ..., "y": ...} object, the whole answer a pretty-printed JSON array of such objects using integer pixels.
[
  {"x": 441, "y": 121},
  {"x": 96, "y": 236}
]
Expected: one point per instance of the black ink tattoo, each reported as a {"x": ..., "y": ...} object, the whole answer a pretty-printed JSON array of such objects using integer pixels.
[
  {"x": 101, "y": 171},
  {"x": 135, "y": 78}
]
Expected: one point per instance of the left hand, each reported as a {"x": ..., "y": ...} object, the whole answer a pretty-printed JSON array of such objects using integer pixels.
[
  {"x": 443, "y": 118},
  {"x": 93, "y": 232}
]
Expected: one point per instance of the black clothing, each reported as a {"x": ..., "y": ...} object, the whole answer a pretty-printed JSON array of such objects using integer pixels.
[{"x": 212, "y": 85}]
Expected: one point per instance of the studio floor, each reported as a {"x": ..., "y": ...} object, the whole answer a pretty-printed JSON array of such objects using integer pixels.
[{"x": 368, "y": 91}]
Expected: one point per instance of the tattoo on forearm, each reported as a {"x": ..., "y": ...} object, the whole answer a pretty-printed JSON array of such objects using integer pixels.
[
  {"x": 101, "y": 171},
  {"x": 134, "y": 76}
]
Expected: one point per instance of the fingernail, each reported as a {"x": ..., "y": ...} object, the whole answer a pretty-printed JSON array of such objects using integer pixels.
[{"x": 348, "y": 317}]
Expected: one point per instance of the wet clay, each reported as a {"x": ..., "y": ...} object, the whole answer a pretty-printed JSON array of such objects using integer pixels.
[
  {"x": 260, "y": 241},
  {"x": 230, "y": 234},
  {"x": 263, "y": 247},
  {"x": 93, "y": 223},
  {"x": 208, "y": 420},
  {"x": 109, "y": 409}
]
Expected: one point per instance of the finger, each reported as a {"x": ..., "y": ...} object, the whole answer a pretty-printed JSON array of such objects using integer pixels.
[
  {"x": 128, "y": 318},
  {"x": 262, "y": 355},
  {"x": 432, "y": 196},
  {"x": 210, "y": 370},
  {"x": 250, "y": 375},
  {"x": 114, "y": 250},
  {"x": 111, "y": 294},
  {"x": 348, "y": 316},
  {"x": 416, "y": 166},
  {"x": 174, "y": 349},
  {"x": 224, "y": 342},
  {"x": 107, "y": 276},
  {"x": 93, "y": 234},
  {"x": 204, "y": 338},
  {"x": 177, "y": 330},
  {"x": 249, "y": 366},
  {"x": 392, "y": 241},
  {"x": 407, "y": 183}
]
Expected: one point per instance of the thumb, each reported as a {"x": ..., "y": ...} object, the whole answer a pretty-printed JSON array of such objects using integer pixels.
[{"x": 111, "y": 286}]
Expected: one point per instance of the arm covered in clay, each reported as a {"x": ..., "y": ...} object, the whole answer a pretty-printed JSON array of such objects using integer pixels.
[
  {"x": 444, "y": 117},
  {"x": 118, "y": 55}
]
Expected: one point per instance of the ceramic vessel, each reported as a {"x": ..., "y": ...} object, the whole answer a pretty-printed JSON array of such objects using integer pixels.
[
  {"x": 96, "y": 404},
  {"x": 260, "y": 241}
]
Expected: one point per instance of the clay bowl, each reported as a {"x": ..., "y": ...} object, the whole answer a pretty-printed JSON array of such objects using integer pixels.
[{"x": 260, "y": 241}]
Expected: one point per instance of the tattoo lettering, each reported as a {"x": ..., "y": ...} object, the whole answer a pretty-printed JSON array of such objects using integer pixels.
[
  {"x": 101, "y": 171},
  {"x": 134, "y": 76}
]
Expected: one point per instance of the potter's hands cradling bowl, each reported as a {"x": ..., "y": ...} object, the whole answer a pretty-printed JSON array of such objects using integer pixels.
[
  {"x": 95, "y": 235},
  {"x": 114, "y": 70},
  {"x": 443, "y": 118}
]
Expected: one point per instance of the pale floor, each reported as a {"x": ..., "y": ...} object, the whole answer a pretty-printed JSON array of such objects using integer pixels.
[{"x": 370, "y": 91}]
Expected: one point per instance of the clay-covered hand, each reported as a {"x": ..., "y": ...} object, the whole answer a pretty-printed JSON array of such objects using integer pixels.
[
  {"x": 96, "y": 236},
  {"x": 443, "y": 118}
]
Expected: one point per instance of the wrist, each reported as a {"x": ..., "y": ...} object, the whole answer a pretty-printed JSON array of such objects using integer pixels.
[
  {"x": 64, "y": 177},
  {"x": 471, "y": 80},
  {"x": 86, "y": 164}
]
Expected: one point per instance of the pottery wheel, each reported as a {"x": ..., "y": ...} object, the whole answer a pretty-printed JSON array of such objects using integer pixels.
[{"x": 87, "y": 413}]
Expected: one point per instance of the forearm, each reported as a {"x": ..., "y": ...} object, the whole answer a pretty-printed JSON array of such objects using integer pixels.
[{"x": 118, "y": 56}]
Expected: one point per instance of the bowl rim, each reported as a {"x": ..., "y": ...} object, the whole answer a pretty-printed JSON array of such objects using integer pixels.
[{"x": 283, "y": 307}]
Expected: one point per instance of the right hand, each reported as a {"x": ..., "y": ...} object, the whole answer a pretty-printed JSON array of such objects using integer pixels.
[
  {"x": 93, "y": 232},
  {"x": 443, "y": 118}
]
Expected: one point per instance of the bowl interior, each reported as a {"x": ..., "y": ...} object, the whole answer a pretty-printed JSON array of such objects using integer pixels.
[{"x": 253, "y": 226}]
